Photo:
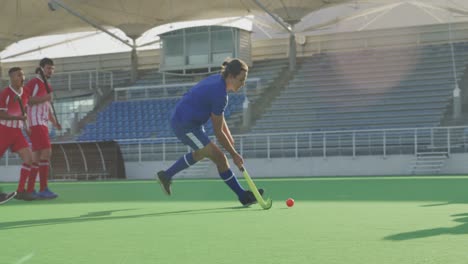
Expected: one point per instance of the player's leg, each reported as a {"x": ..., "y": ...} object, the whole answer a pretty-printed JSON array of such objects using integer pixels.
[
  {"x": 214, "y": 153},
  {"x": 182, "y": 163},
  {"x": 3, "y": 147},
  {"x": 44, "y": 156},
  {"x": 26, "y": 156},
  {"x": 41, "y": 144},
  {"x": 4, "y": 196},
  {"x": 34, "y": 171},
  {"x": 44, "y": 164},
  {"x": 7, "y": 139},
  {"x": 196, "y": 139}
]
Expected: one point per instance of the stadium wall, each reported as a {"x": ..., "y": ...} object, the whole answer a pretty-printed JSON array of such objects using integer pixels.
[
  {"x": 397, "y": 165},
  {"x": 10, "y": 173}
]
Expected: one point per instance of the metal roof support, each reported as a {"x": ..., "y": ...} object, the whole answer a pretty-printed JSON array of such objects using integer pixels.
[
  {"x": 292, "y": 52},
  {"x": 53, "y": 4},
  {"x": 134, "y": 63},
  {"x": 292, "y": 37},
  {"x": 50, "y": 45}
]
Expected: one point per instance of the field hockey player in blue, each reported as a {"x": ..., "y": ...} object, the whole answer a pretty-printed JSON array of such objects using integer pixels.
[{"x": 208, "y": 100}]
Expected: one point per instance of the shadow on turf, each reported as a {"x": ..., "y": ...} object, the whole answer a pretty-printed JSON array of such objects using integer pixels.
[
  {"x": 104, "y": 213},
  {"x": 438, "y": 204},
  {"x": 106, "y": 216},
  {"x": 456, "y": 230}
]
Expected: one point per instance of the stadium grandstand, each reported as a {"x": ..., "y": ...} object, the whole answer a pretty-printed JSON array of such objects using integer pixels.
[
  {"x": 347, "y": 85},
  {"x": 337, "y": 88}
]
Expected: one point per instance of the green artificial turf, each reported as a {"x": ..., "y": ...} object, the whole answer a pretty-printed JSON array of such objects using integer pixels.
[{"x": 334, "y": 220}]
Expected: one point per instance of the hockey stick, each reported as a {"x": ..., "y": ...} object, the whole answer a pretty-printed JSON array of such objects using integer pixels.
[
  {"x": 46, "y": 83},
  {"x": 23, "y": 111},
  {"x": 264, "y": 204}
]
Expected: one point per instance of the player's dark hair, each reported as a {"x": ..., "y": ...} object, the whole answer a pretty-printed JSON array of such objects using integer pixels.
[
  {"x": 46, "y": 61},
  {"x": 233, "y": 67},
  {"x": 14, "y": 69},
  {"x": 43, "y": 63}
]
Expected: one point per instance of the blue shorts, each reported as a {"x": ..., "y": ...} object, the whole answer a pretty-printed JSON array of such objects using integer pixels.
[{"x": 196, "y": 138}]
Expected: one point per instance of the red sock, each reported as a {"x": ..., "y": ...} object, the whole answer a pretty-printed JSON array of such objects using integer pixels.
[
  {"x": 43, "y": 173},
  {"x": 24, "y": 175},
  {"x": 32, "y": 177}
]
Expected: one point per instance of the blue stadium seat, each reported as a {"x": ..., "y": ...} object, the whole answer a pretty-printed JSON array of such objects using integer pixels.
[
  {"x": 367, "y": 89},
  {"x": 141, "y": 119}
]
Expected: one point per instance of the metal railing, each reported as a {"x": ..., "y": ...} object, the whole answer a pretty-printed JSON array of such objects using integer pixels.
[
  {"x": 100, "y": 81},
  {"x": 169, "y": 90},
  {"x": 67, "y": 81},
  {"x": 381, "y": 142},
  {"x": 325, "y": 144}
]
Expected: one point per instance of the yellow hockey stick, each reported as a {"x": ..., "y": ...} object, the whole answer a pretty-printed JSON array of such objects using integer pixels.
[{"x": 264, "y": 204}]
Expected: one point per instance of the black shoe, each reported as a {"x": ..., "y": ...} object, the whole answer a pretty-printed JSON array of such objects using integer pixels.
[
  {"x": 26, "y": 196},
  {"x": 5, "y": 197},
  {"x": 249, "y": 198},
  {"x": 165, "y": 183}
]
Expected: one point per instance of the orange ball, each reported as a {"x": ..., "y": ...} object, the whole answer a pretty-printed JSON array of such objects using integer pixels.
[{"x": 290, "y": 202}]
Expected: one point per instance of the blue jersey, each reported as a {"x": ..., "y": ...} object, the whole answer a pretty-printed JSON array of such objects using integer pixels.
[{"x": 206, "y": 97}]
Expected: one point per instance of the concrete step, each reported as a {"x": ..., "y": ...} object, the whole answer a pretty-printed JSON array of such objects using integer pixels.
[
  {"x": 429, "y": 162},
  {"x": 432, "y": 153}
]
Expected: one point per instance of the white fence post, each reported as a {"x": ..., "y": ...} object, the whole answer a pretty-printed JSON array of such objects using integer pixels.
[
  {"x": 324, "y": 144},
  {"x": 90, "y": 80},
  {"x": 448, "y": 141},
  {"x": 268, "y": 147},
  {"x": 296, "y": 149},
  {"x": 242, "y": 146},
  {"x": 111, "y": 80},
  {"x": 354, "y": 144},
  {"x": 164, "y": 149},
  {"x": 415, "y": 141},
  {"x": 139, "y": 151},
  {"x": 69, "y": 82},
  {"x": 385, "y": 143}
]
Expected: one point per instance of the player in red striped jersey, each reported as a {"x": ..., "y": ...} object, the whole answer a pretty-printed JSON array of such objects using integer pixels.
[
  {"x": 12, "y": 122},
  {"x": 39, "y": 115}
]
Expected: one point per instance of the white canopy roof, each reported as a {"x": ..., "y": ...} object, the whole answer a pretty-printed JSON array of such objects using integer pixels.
[{"x": 21, "y": 19}]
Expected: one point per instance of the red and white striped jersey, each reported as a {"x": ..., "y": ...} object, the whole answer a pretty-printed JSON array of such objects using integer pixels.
[
  {"x": 10, "y": 104},
  {"x": 38, "y": 114}
]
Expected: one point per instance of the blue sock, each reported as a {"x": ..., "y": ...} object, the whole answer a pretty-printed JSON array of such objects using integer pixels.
[
  {"x": 231, "y": 180},
  {"x": 181, "y": 164}
]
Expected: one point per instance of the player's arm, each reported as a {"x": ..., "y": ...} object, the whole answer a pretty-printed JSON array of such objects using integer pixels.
[
  {"x": 29, "y": 89},
  {"x": 53, "y": 120},
  {"x": 26, "y": 127},
  {"x": 227, "y": 132},
  {"x": 34, "y": 100},
  {"x": 5, "y": 116},
  {"x": 218, "y": 124}
]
